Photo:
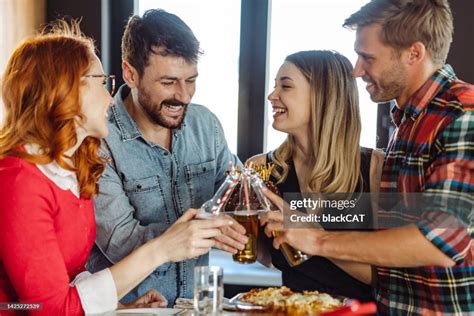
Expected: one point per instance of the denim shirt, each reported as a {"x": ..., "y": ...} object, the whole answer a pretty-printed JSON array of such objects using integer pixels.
[{"x": 146, "y": 188}]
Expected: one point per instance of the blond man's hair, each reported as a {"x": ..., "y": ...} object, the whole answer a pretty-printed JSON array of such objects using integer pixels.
[{"x": 405, "y": 22}]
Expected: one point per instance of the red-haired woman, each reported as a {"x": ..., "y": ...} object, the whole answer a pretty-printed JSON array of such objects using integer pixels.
[{"x": 56, "y": 108}]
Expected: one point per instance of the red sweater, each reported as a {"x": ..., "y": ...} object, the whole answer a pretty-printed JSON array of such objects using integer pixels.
[{"x": 46, "y": 234}]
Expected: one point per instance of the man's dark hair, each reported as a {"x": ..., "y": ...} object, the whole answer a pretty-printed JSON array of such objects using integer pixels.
[{"x": 157, "y": 32}]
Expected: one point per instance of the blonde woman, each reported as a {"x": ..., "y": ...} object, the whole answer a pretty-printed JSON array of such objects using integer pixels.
[{"x": 315, "y": 101}]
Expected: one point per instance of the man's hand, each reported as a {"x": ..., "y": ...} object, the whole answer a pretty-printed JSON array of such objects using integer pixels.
[
  {"x": 396, "y": 247},
  {"x": 304, "y": 239},
  {"x": 150, "y": 299},
  {"x": 188, "y": 237},
  {"x": 233, "y": 237}
]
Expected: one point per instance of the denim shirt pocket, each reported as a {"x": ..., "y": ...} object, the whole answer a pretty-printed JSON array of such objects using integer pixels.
[
  {"x": 200, "y": 179},
  {"x": 146, "y": 195},
  {"x": 163, "y": 269}
]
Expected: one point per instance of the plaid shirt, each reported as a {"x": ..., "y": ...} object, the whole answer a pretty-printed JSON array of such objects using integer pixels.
[{"x": 432, "y": 150}]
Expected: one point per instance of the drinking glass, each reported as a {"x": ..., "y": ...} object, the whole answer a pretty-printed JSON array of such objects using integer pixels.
[
  {"x": 208, "y": 290},
  {"x": 249, "y": 220}
]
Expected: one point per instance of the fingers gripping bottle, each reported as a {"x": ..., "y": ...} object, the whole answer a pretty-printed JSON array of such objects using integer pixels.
[{"x": 293, "y": 256}]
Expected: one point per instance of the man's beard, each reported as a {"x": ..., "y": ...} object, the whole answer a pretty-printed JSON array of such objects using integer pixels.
[
  {"x": 391, "y": 85},
  {"x": 154, "y": 111}
]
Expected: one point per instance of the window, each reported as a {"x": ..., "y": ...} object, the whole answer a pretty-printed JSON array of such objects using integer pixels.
[
  {"x": 216, "y": 24},
  {"x": 18, "y": 19},
  {"x": 294, "y": 25},
  {"x": 315, "y": 24}
]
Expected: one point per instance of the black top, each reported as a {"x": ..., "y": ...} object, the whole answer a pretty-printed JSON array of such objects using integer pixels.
[{"x": 318, "y": 273}]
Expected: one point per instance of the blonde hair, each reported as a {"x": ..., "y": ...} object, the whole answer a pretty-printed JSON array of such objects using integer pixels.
[
  {"x": 40, "y": 90},
  {"x": 335, "y": 123},
  {"x": 405, "y": 22}
]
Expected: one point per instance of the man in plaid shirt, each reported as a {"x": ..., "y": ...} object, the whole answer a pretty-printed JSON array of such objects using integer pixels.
[{"x": 426, "y": 267}]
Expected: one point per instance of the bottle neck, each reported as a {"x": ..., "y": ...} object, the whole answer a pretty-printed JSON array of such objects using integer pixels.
[{"x": 223, "y": 188}]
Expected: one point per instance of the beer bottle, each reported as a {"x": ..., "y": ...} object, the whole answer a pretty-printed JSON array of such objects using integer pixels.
[
  {"x": 214, "y": 206},
  {"x": 293, "y": 256}
]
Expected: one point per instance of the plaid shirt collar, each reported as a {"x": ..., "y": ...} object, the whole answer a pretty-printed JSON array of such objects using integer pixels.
[{"x": 418, "y": 101}]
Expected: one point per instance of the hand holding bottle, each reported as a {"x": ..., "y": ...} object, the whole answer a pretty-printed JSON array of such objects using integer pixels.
[
  {"x": 232, "y": 237},
  {"x": 273, "y": 220}
]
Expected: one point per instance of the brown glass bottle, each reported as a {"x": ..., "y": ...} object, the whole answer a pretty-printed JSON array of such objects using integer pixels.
[{"x": 293, "y": 256}]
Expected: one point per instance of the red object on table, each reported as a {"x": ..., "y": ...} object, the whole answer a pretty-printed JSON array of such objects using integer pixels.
[{"x": 354, "y": 308}]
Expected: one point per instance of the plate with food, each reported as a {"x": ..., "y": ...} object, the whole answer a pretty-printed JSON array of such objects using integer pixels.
[{"x": 284, "y": 301}]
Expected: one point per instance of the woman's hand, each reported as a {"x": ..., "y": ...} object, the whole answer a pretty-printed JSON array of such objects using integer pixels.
[
  {"x": 307, "y": 240},
  {"x": 150, "y": 299},
  {"x": 233, "y": 237},
  {"x": 271, "y": 217},
  {"x": 189, "y": 237}
]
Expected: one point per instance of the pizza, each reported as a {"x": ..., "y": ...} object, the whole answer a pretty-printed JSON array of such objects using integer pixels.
[{"x": 284, "y": 301}]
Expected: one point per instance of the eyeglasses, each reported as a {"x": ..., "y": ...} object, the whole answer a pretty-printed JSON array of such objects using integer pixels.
[{"x": 109, "y": 80}]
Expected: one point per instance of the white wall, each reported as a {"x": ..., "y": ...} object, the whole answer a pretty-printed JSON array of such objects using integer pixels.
[{"x": 18, "y": 19}]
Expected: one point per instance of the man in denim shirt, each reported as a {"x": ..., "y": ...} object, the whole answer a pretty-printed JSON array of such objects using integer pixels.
[{"x": 166, "y": 155}]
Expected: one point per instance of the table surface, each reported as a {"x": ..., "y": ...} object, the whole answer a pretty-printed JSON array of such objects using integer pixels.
[
  {"x": 254, "y": 274},
  {"x": 164, "y": 312}
]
